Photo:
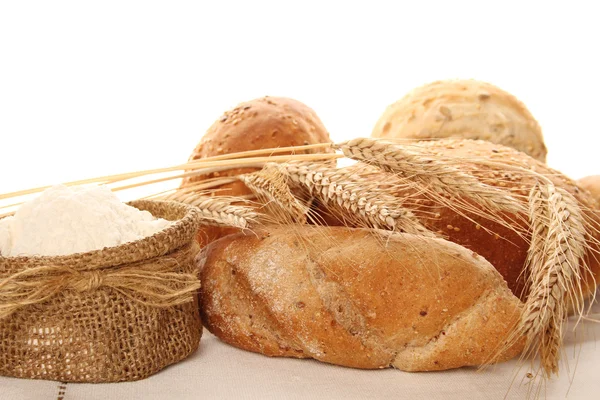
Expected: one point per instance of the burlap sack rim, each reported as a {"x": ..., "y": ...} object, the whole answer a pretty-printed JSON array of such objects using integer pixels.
[
  {"x": 171, "y": 330},
  {"x": 187, "y": 222}
]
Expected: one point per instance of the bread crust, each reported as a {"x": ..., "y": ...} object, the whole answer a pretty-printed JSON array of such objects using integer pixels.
[
  {"x": 263, "y": 123},
  {"x": 592, "y": 185},
  {"x": 502, "y": 247},
  {"x": 468, "y": 109},
  {"x": 347, "y": 297}
]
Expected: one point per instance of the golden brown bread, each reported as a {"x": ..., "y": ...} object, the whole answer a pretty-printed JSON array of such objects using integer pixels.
[
  {"x": 267, "y": 122},
  {"x": 592, "y": 185},
  {"x": 342, "y": 296},
  {"x": 463, "y": 108},
  {"x": 264, "y": 123},
  {"x": 502, "y": 247}
]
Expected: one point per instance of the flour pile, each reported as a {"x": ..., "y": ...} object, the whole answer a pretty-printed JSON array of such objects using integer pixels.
[{"x": 64, "y": 220}]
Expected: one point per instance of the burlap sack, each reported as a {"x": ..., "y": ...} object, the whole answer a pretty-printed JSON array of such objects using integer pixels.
[{"x": 117, "y": 314}]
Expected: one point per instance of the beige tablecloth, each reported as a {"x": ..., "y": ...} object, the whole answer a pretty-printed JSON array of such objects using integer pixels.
[{"x": 219, "y": 371}]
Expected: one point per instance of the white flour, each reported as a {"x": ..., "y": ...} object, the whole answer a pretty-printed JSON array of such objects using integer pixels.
[{"x": 65, "y": 220}]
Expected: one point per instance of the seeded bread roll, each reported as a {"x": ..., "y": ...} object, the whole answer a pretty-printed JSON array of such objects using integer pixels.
[
  {"x": 347, "y": 297},
  {"x": 463, "y": 108},
  {"x": 263, "y": 123}
]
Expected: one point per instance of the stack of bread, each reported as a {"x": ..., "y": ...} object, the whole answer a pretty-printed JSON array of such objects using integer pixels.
[{"x": 358, "y": 296}]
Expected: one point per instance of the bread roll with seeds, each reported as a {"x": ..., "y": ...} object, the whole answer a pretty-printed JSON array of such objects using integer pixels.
[
  {"x": 463, "y": 108},
  {"x": 267, "y": 122},
  {"x": 344, "y": 296}
]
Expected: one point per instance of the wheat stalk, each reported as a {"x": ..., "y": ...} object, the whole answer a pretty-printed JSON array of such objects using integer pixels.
[
  {"x": 551, "y": 342},
  {"x": 438, "y": 175},
  {"x": 343, "y": 188},
  {"x": 539, "y": 220},
  {"x": 555, "y": 276},
  {"x": 271, "y": 185},
  {"x": 201, "y": 166},
  {"x": 216, "y": 210}
]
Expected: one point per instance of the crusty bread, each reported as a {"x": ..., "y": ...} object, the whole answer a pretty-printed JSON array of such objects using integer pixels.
[
  {"x": 347, "y": 297},
  {"x": 463, "y": 108},
  {"x": 592, "y": 185},
  {"x": 264, "y": 123},
  {"x": 499, "y": 245}
]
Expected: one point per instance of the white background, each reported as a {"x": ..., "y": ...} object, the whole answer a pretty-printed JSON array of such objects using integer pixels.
[{"x": 94, "y": 88}]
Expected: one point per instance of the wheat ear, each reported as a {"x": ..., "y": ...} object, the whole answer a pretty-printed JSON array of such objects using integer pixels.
[
  {"x": 271, "y": 185},
  {"x": 216, "y": 210},
  {"x": 554, "y": 271},
  {"x": 438, "y": 175},
  {"x": 539, "y": 221},
  {"x": 343, "y": 188}
]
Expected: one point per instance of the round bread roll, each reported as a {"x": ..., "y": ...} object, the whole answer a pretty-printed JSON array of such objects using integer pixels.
[
  {"x": 463, "y": 108},
  {"x": 592, "y": 185},
  {"x": 263, "y": 123}
]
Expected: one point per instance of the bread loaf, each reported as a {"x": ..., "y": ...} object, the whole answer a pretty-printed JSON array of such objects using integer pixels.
[
  {"x": 347, "y": 297},
  {"x": 592, "y": 185},
  {"x": 536, "y": 226},
  {"x": 503, "y": 248},
  {"x": 264, "y": 123},
  {"x": 466, "y": 109},
  {"x": 506, "y": 169}
]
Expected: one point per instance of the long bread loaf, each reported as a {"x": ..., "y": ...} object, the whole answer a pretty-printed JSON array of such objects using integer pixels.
[{"x": 349, "y": 297}]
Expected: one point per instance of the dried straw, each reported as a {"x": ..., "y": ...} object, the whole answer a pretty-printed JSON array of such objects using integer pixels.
[
  {"x": 358, "y": 198},
  {"x": 198, "y": 167},
  {"x": 555, "y": 262},
  {"x": 216, "y": 210},
  {"x": 441, "y": 177},
  {"x": 271, "y": 186}
]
